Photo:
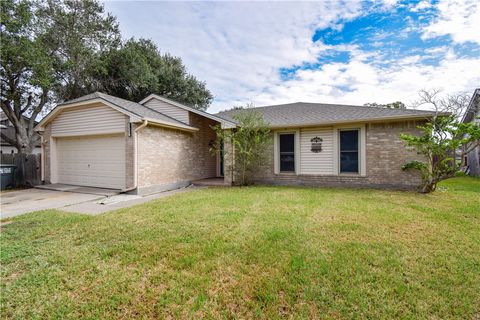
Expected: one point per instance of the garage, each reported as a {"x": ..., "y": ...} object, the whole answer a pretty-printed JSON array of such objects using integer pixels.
[
  {"x": 92, "y": 141},
  {"x": 95, "y": 161}
]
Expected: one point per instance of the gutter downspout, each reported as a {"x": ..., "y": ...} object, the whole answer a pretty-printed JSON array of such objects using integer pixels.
[
  {"x": 42, "y": 158},
  {"x": 135, "y": 157}
]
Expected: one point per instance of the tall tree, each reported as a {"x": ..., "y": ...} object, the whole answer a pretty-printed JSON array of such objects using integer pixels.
[
  {"x": 79, "y": 32},
  {"x": 48, "y": 49},
  {"x": 138, "y": 69},
  {"x": 57, "y": 50}
]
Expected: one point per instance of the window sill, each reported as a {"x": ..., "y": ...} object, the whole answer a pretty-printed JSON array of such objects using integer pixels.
[
  {"x": 286, "y": 173},
  {"x": 345, "y": 174}
]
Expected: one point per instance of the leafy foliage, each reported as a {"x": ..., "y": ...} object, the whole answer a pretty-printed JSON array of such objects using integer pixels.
[
  {"x": 54, "y": 51},
  {"x": 443, "y": 137},
  {"x": 48, "y": 50},
  {"x": 138, "y": 69},
  {"x": 247, "y": 144}
]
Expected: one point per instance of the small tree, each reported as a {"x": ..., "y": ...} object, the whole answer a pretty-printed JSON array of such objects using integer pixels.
[
  {"x": 443, "y": 137},
  {"x": 248, "y": 142}
]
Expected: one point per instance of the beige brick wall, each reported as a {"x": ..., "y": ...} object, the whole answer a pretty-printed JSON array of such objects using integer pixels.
[
  {"x": 129, "y": 154},
  {"x": 173, "y": 157},
  {"x": 385, "y": 155}
]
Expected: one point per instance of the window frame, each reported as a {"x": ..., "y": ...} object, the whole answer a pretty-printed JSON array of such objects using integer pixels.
[
  {"x": 276, "y": 147},
  {"x": 362, "y": 154},
  {"x": 286, "y": 153},
  {"x": 358, "y": 130}
]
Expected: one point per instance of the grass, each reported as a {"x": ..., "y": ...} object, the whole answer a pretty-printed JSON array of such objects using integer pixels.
[{"x": 258, "y": 252}]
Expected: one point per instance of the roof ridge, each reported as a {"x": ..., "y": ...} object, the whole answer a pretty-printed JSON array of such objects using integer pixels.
[{"x": 319, "y": 104}]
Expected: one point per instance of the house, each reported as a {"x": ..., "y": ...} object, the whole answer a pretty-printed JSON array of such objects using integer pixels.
[
  {"x": 103, "y": 141},
  {"x": 472, "y": 114},
  {"x": 338, "y": 145},
  {"x": 158, "y": 144},
  {"x": 8, "y": 130}
]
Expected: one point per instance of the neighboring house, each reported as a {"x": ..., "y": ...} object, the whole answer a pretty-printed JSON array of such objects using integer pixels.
[
  {"x": 158, "y": 144},
  {"x": 7, "y": 129},
  {"x": 472, "y": 114}
]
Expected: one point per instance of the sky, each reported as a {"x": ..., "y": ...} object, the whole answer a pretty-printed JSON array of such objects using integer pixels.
[{"x": 346, "y": 52}]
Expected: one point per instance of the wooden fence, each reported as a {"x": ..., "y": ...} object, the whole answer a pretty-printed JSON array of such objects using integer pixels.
[{"x": 28, "y": 168}]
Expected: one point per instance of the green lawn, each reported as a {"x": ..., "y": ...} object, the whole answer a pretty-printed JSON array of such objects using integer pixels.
[{"x": 258, "y": 252}]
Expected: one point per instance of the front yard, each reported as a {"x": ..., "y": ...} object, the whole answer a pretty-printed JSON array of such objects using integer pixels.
[{"x": 259, "y": 252}]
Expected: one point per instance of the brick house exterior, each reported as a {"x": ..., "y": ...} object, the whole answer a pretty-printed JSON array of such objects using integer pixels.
[
  {"x": 169, "y": 159},
  {"x": 385, "y": 155},
  {"x": 380, "y": 152},
  {"x": 157, "y": 152},
  {"x": 157, "y": 145}
]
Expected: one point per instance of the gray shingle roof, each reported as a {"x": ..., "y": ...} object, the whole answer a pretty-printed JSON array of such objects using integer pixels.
[
  {"x": 304, "y": 114},
  {"x": 129, "y": 106}
]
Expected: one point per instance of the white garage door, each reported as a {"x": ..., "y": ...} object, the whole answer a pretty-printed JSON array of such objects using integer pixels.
[{"x": 92, "y": 161}]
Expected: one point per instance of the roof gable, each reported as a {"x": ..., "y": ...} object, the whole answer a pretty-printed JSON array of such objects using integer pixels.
[
  {"x": 135, "y": 111},
  {"x": 225, "y": 123}
]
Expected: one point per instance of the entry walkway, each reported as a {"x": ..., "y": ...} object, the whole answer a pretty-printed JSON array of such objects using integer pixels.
[{"x": 210, "y": 182}]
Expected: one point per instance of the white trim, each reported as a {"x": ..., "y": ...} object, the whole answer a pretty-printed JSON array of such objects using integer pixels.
[
  {"x": 276, "y": 150},
  {"x": 297, "y": 152},
  {"x": 276, "y": 158},
  {"x": 170, "y": 125},
  {"x": 53, "y": 160},
  {"x": 335, "y": 152},
  {"x": 42, "y": 158},
  {"x": 225, "y": 123},
  {"x": 362, "y": 146}
]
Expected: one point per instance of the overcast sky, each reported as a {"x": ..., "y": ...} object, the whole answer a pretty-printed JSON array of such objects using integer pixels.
[{"x": 349, "y": 52}]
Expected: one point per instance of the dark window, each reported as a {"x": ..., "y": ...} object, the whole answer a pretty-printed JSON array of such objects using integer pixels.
[
  {"x": 287, "y": 152},
  {"x": 349, "y": 151}
]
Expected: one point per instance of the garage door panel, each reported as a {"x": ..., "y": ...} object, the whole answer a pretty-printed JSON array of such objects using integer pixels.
[{"x": 97, "y": 161}]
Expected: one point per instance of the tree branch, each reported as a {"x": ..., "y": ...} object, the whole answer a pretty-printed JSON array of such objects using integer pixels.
[
  {"x": 6, "y": 108},
  {"x": 9, "y": 140},
  {"x": 28, "y": 105}
]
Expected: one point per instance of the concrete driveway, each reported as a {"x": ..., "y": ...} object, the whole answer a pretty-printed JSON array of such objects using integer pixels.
[{"x": 14, "y": 203}]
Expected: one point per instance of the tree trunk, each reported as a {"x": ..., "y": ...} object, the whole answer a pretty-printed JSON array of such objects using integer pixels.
[
  {"x": 428, "y": 187},
  {"x": 24, "y": 137}
]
